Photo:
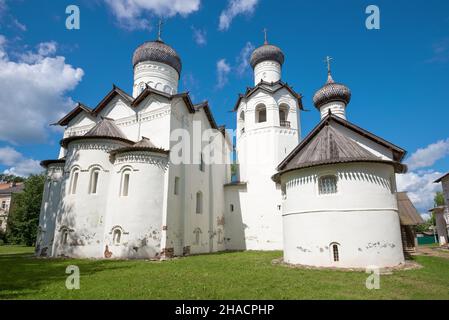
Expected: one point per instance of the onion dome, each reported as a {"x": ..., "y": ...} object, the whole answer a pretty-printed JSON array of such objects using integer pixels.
[
  {"x": 157, "y": 51},
  {"x": 331, "y": 92},
  {"x": 267, "y": 52}
]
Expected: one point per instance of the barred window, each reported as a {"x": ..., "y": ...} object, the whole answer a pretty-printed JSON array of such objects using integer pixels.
[
  {"x": 328, "y": 185},
  {"x": 335, "y": 253}
]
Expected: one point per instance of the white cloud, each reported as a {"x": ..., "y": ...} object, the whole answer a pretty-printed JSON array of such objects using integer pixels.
[
  {"x": 17, "y": 163},
  {"x": 9, "y": 156},
  {"x": 420, "y": 183},
  {"x": 33, "y": 92},
  {"x": 235, "y": 8},
  {"x": 420, "y": 187},
  {"x": 19, "y": 25},
  {"x": 199, "y": 36},
  {"x": 131, "y": 14},
  {"x": 427, "y": 156},
  {"x": 223, "y": 69},
  {"x": 243, "y": 58}
]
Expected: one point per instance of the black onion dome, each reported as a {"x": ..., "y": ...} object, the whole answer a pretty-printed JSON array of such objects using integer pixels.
[
  {"x": 331, "y": 92},
  {"x": 265, "y": 53},
  {"x": 157, "y": 51}
]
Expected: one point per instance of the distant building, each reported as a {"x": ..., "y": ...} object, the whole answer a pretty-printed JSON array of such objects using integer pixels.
[
  {"x": 442, "y": 213},
  {"x": 6, "y": 192}
]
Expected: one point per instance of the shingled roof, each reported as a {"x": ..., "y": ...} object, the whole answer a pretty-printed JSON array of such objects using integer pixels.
[
  {"x": 442, "y": 178},
  {"x": 408, "y": 214},
  {"x": 105, "y": 129},
  {"x": 327, "y": 145},
  {"x": 143, "y": 145}
]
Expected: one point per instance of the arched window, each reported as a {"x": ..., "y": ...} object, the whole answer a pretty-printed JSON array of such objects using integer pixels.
[
  {"x": 142, "y": 87},
  {"x": 65, "y": 236},
  {"x": 283, "y": 116},
  {"x": 335, "y": 250},
  {"x": 328, "y": 184},
  {"x": 197, "y": 232},
  {"x": 199, "y": 202},
  {"x": 126, "y": 176},
  {"x": 261, "y": 113},
  {"x": 242, "y": 121},
  {"x": 220, "y": 236},
  {"x": 93, "y": 182},
  {"x": 117, "y": 236},
  {"x": 74, "y": 180}
]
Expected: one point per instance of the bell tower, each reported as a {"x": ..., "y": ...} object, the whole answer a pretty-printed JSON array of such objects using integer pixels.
[{"x": 268, "y": 129}]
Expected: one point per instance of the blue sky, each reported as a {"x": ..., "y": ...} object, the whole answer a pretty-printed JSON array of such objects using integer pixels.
[{"x": 398, "y": 74}]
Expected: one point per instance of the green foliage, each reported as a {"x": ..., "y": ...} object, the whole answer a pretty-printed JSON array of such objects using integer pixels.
[
  {"x": 2, "y": 238},
  {"x": 425, "y": 226},
  {"x": 439, "y": 199},
  {"x": 11, "y": 178},
  {"x": 24, "y": 212}
]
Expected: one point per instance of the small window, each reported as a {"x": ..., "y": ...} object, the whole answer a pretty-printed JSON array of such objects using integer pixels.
[
  {"x": 197, "y": 233},
  {"x": 74, "y": 181},
  {"x": 335, "y": 253},
  {"x": 93, "y": 186},
  {"x": 232, "y": 208},
  {"x": 261, "y": 114},
  {"x": 65, "y": 236},
  {"x": 176, "y": 191},
  {"x": 199, "y": 203},
  {"x": 220, "y": 236},
  {"x": 328, "y": 185},
  {"x": 202, "y": 166},
  {"x": 117, "y": 237},
  {"x": 3, "y": 204},
  {"x": 242, "y": 116},
  {"x": 125, "y": 183}
]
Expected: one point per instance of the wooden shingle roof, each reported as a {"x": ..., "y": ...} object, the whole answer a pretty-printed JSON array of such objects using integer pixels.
[
  {"x": 329, "y": 146},
  {"x": 326, "y": 145},
  {"x": 143, "y": 145},
  {"x": 442, "y": 178},
  {"x": 408, "y": 214},
  {"x": 105, "y": 129}
]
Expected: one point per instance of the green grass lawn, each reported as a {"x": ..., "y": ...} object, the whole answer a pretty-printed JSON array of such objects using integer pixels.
[{"x": 240, "y": 275}]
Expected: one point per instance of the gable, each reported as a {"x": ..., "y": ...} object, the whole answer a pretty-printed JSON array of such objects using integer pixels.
[
  {"x": 81, "y": 120},
  {"x": 335, "y": 140},
  {"x": 117, "y": 108}
]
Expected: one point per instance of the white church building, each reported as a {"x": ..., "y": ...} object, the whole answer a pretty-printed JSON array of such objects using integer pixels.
[{"x": 148, "y": 175}]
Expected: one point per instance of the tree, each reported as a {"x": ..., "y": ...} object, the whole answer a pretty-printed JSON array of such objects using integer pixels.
[
  {"x": 24, "y": 212},
  {"x": 439, "y": 199},
  {"x": 10, "y": 178}
]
